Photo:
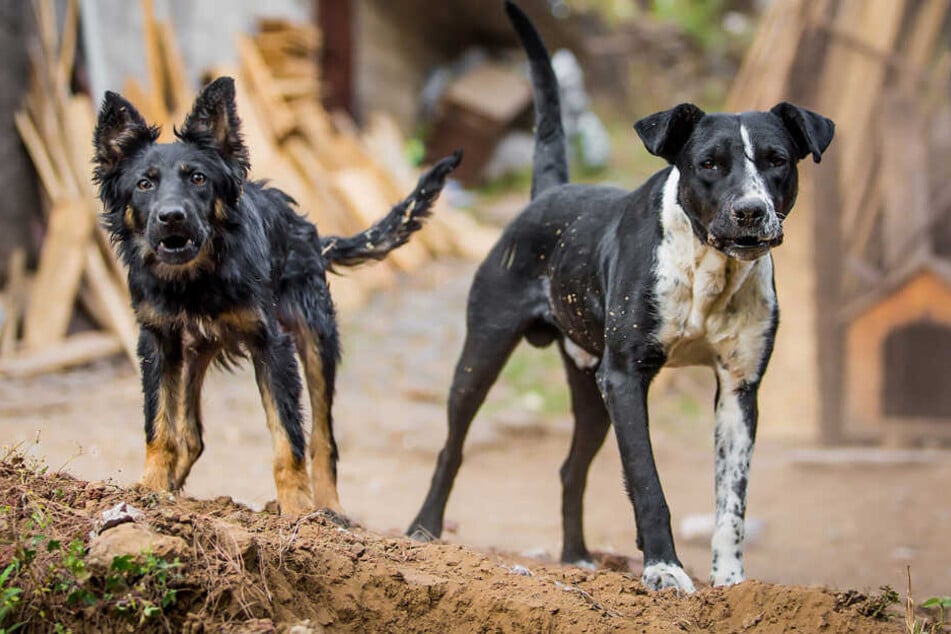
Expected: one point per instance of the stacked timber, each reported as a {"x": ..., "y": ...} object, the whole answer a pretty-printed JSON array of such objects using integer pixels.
[
  {"x": 342, "y": 178},
  {"x": 77, "y": 266}
]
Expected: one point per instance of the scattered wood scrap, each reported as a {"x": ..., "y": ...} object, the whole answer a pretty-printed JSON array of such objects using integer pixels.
[
  {"x": 342, "y": 178},
  {"x": 76, "y": 260}
]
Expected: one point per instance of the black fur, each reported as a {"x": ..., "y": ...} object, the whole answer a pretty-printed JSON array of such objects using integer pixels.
[{"x": 223, "y": 267}]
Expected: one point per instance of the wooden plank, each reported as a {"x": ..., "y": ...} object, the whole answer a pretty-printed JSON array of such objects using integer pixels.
[
  {"x": 78, "y": 349},
  {"x": 67, "y": 44},
  {"x": 14, "y": 297},
  {"x": 107, "y": 290},
  {"x": 280, "y": 119},
  {"x": 80, "y": 113},
  {"x": 153, "y": 62},
  {"x": 384, "y": 142},
  {"x": 174, "y": 70},
  {"x": 62, "y": 260},
  {"x": 35, "y": 147},
  {"x": 143, "y": 102},
  {"x": 907, "y": 214},
  {"x": 762, "y": 79},
  {"x": 329, "y": 212},
  {"x": 850, "y": 90}
]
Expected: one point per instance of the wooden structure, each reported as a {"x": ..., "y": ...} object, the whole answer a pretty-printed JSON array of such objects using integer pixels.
[
  {"x": 343, "y": 179},
  {"x": 880, "y": 70},
  {"x": 898, "y": 351}
]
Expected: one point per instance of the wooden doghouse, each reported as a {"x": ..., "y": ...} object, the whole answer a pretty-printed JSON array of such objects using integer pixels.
[{"x": 898, "y": 358}]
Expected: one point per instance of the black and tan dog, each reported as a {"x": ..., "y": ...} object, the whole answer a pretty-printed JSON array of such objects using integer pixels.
[
  {"x": 676, "y": 272},
  {"x": 222, "y": 268}
]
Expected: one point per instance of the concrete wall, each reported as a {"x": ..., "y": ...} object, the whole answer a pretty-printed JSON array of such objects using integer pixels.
[{"x": 205, "y": 30}]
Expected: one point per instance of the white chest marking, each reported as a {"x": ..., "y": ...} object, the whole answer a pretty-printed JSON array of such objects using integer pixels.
[{"x": 708, "y": 304}]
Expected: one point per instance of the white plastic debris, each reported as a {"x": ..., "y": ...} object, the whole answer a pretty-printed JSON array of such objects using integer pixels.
[{"x": 121, "y": 513}]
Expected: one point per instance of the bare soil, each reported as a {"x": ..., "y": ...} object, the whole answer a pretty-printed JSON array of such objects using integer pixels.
[
  {"x": 240, "y": 570},
  {"x": 845, "y": 525}
]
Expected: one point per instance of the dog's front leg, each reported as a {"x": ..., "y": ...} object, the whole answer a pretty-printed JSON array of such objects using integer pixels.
[
  {"x": 279, "y": 383},
  {"x": 624, "y": 379},
  {"x": 736, "y": 416},
  {"x": 160, "y": 355},
  {"x": 197, "y": 360}
]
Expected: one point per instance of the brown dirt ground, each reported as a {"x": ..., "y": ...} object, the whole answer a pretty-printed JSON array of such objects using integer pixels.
[
  {"x": 257, "y": 572},
  {"x": 843, "y": 525}
]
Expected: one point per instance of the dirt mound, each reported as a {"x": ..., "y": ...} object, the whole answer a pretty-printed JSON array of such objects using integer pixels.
[{"x": 153, "y": 563}]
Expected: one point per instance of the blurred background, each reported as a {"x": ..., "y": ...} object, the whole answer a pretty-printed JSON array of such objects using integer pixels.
[{"x": 343, "y": 100}]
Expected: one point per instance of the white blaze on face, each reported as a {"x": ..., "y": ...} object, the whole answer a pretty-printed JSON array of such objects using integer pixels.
[{"x": 754, "y": 187}]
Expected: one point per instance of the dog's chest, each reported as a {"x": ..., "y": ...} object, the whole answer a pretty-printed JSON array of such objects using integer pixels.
[
  {"x": 227, "y": 328},
  {"x": 711, "y": 308}
]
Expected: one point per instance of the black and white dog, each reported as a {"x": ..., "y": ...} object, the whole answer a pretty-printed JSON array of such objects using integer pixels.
[{"x": 677, "y": 272}]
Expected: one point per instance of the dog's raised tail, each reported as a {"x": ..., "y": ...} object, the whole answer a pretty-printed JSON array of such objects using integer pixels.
[
  {"x": 550, "y": 162},
  {"x": 395, "y": 228}
]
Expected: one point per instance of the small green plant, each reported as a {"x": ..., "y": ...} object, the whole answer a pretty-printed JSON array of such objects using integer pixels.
[
  {"x": 941, "y": 604},
  {"x": 9, "y": 598},
  {"x": 877, "y": 606},
  {"x": 140, "y": 587},
  {"x": 134, "y": 588}
]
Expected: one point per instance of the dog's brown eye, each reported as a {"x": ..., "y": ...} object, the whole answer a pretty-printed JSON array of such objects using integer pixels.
[
  {"x": 198, "y": 178},
  {"x": 709, "y": 164},
  {"x": 777, "y": 161},
  {"x": 144, "y": 185}
]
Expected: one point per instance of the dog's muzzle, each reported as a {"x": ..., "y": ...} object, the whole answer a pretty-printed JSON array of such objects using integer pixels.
[{"x": 174, "y": 238}]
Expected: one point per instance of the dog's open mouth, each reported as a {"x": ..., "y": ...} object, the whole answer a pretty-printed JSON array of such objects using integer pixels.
[
  {"x": 746, "y": 247},
  {"x": 176, "y": 249}
]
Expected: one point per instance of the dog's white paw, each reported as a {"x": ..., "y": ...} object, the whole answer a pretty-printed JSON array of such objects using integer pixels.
[
  {"x": 587, "y": 564},
  {"x": 727, "y": 572},
  {"x": 663, "y": 575}
]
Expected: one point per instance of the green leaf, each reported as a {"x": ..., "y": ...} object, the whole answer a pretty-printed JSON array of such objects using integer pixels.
[{"x": 933, "y": 602}]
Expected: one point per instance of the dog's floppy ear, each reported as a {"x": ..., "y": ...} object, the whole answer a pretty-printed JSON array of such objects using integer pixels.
[
  {"x": 664, "y": 133},
  {"x": 811, "y": 131},
  {"x": 120, "y": 131},
  {"x": 213, "y": 123}
]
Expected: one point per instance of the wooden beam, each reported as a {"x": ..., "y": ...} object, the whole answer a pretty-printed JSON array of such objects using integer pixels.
[
  {"x": 14, "y": 297},
  {"x": 78, "y": 349},
  {"x": 62, "y": 260},
  {"x": 108, "y": 291}
]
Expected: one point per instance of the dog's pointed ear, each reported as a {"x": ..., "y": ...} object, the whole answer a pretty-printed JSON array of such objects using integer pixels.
[
  {"x": 214, "y": 123},
  {"x": 664, "y": 133},
  {"x": 120, "y": 131},
  {"x": 811, "y": 131}
]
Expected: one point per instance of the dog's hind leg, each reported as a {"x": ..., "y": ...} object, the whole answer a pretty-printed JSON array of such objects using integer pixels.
[
  {"x": 191, "y": 445},
  {"x": 491, "y": 336},
  {"x": 319, "y": 356},
  {"x": 591, "y": 426},
  {"x": 278, "y": 380},
  {"x": 160, "y": 355}
]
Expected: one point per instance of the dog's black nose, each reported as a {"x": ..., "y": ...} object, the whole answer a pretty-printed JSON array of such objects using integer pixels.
[
  {"x": 748, "y": 213},
  {"x": 171, "y": 215}
]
